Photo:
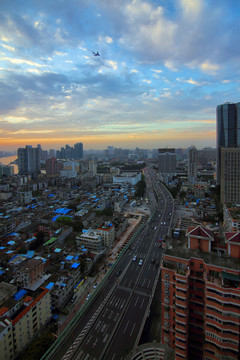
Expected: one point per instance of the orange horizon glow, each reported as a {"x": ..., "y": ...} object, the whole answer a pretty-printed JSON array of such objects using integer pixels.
[{"x": 153, "y": 140}]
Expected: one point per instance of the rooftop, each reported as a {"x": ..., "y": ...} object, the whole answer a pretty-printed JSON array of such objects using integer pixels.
[{"x": 178, "y": 248}]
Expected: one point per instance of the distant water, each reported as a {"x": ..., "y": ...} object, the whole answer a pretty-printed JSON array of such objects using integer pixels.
[{"x": 7, "y": 160}]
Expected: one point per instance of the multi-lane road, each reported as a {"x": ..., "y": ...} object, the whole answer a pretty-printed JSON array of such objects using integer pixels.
[{"x": 113, "y": 322}]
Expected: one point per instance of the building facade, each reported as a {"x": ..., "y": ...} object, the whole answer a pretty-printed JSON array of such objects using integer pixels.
[
  {"x": 53, "y": 166},
  {"x": 192, "y": 164},
  {"x": 107, "y": 233},
  {"x": 29, "y": 161},
  {"x": 21, "y": 319},
  {"x": 201, "y": 297},
  {"x": 228, "y": 130},
  {"x": 167, "y": 161},
  {"x": 230, "y": 175},
  {"x": 90, "y": 240}
]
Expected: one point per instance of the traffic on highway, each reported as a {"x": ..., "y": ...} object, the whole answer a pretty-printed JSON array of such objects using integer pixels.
[{"x": 112, "y": 324}]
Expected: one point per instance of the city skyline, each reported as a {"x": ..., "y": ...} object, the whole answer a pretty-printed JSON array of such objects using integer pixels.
[{"x": 163, "y": 68}]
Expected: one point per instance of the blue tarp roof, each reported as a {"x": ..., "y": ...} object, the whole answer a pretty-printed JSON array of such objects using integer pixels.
[
  {"x": 29, "y": 240},
  {"x": 57, "y": 250},
  {"x": 55, "y": 317},
  {"x": 13, "y": 257},
  {"x": 75, "y": 265},
  {"x": 69, "y": 257},
  {"x": 2, "y": 272},
  {"x": 11, "y": 242},
  {"x": 62, "y": 211},
  {"x": 19, "y": 294},
  {"x": 30, "y": 253},
  {"x": 50, "y": 285},
  {"x": 76, "y": 257},
  {"x": 55, "y": 217}
]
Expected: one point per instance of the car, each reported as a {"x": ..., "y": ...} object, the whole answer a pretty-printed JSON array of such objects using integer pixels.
[
  {"x": 88, "y": 297},
  {"x": 73, "y": 298},
  {"x": 140, "y": 262},
  {"x": 135, "y": 257}
]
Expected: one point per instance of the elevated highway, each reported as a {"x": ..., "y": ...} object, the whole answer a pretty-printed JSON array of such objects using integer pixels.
[{"x": 111, "y": 323}]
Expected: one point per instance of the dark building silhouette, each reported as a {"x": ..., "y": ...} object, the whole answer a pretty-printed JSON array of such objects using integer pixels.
[{"x": 29, "y": 161}]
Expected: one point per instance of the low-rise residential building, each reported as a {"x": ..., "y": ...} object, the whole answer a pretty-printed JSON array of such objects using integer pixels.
[
  {"x": 91, "y": 240},
  {"x": 25, "y": 197},
  {"x": 31, "y": 273},
  {"x": 107, "y": 233},
  {"x": 127, "y": 178},
  {"x": 231, "y": 218},
  {"x": 62, "y": 291}
]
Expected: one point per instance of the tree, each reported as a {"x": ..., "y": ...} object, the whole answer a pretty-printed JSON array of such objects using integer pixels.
[
  {"x": 77, "y": 226},
  {"x": 64, "y": 220}
]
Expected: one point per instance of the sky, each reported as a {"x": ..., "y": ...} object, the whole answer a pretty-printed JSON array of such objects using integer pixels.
[{"x": 164, "y": 66}]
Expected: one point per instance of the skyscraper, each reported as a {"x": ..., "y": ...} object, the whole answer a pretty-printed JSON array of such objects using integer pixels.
[
  {"x": 167, "y": 161},
  {"x": 29, "y": 161},
  {"x": 78, "y": 151},
  {"x": 228, "y": 130},
  {"x": 192, "y": 164}
]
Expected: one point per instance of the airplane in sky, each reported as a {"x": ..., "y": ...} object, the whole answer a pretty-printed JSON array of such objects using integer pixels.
[{"x": 96, "y": 54}]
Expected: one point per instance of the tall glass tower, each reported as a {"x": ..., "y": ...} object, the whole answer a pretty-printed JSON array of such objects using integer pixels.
[{"x": 228, "y": 130}]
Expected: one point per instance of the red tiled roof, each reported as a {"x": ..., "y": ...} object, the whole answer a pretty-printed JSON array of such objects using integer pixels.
[
  {"x": 28, "y": 299},
  {"x": 30, "y": 306},
  {"x": 200, "y": 231},
  {"x": 233, "y": 237},
  {"x": 3, "y": 310}
]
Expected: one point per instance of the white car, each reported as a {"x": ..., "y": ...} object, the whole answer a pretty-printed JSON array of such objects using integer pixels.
[
  {"x": 140, "y": 262},
  {"x": 135, "y": 257}
]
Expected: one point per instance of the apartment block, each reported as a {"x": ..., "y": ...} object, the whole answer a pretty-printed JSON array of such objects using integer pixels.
[
  {"x": 201, "y": 296},
  {"x": 107, "y": 233},
  {"x": 30, "y": 273},
  {"x": 90, "y": 240},
  {"x": 21, "y": 317},
  {"x": 230, "y": 178},
  {"x": 231, "y": 217}
]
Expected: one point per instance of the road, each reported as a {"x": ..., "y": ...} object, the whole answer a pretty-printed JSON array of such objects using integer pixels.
[{"x": 113, "y": 322}]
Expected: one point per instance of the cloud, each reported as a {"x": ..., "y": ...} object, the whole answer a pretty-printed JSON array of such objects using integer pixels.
[
  {"x": 189, "y": 81},
  {"x": 209, "y": 68},
  {"x": 8, "y": 47},
  {"x": 191, "y": 8}
]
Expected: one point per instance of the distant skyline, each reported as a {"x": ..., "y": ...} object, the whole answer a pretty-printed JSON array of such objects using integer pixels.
[{"x": 163, "y": 68}]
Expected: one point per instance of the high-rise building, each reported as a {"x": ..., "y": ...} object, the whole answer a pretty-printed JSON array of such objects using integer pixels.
[
  {"x": 228, "y": 130},
  {"x": 192, "y": 164},
  {"x": 201, "y": 296},
  {"x": 6, "y": 170},
  {"x": 230, "y": 175},
  {"x": 78, "y": 151},
  {"x": 29, "y": 161},
  {"x": 167, "y": 161},
  {"x": 53, "y": 166},
  {"x": 70, "y": 153}
]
